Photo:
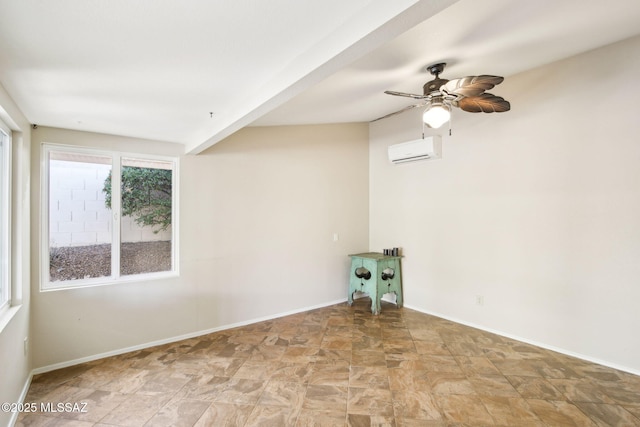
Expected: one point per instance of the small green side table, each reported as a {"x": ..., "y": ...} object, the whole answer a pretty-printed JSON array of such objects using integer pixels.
[{"x": 376, "y": 274}]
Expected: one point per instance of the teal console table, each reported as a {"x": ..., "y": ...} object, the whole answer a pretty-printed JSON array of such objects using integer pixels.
[{"x": 375, "y": 274}]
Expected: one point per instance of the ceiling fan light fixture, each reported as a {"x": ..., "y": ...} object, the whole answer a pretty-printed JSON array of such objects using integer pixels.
[{"x": 436, "y": 115}]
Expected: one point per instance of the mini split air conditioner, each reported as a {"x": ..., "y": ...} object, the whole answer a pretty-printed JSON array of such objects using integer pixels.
[{"x": 427, "y": 148}]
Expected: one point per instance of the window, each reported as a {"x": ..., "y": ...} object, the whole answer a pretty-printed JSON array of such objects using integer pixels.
[
  {"x": 5, "y": 216},
  {"x": 110, "y": 217}
]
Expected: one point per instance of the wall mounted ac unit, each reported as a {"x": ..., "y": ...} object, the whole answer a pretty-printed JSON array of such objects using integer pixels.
[{"x": 427, "y": 148}]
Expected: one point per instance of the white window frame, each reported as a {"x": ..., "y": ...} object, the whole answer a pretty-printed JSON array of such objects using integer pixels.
[
  {"x": 5, "y": 219},
  {"x": 116, "y": 277}
]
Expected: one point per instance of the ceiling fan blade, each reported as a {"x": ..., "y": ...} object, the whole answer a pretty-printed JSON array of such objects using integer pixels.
[
  {"x": 471, "y": 85},
  {"x": 410, "y": 107},
  {"x": 484, "y": 103},
  {"x": 408, "y": 95}
]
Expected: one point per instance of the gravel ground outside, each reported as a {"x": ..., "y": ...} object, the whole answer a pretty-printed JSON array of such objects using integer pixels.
[{"x": 83, "y": 262}]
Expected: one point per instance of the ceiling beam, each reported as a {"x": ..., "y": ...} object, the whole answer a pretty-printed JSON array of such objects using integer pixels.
[{"x": 357, "y": 37}]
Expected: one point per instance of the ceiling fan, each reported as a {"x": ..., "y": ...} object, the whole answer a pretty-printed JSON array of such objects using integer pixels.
[{"x": 467, "y": 93}]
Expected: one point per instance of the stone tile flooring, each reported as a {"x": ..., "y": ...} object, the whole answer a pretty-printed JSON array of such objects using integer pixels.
[{"x": 338, "y": 366}]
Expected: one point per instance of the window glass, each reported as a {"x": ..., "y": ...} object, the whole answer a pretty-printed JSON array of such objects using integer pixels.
[
  {"x": 145, "y": 231},
  {"x": 80, "y": 225}
]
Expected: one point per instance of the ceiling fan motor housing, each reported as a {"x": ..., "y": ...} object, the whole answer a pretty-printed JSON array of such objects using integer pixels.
[{"x": 433, "y": 85}]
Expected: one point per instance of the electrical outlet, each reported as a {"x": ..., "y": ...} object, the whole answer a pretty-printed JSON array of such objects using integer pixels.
[
  {"x": 26, "y": 345},
  {"x": 479, "y": 299},
  {"x": 336, "y": 237}
]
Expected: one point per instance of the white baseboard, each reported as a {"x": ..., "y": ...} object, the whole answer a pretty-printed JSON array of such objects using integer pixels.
[
  {"x": 73, "y": 362},
  {"x": 23, "y": 396},
  {"x": 528, "y": 341}
]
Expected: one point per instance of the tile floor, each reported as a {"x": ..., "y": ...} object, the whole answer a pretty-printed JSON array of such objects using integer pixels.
[{"x": 338, "y": 366}]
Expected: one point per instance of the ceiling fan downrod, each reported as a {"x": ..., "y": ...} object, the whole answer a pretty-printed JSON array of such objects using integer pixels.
[{"x": 436, "y": 69}]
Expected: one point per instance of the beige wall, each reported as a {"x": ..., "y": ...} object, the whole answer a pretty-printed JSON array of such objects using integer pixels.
[
  {"x": 15, "y": 363},
  {"x": 537, "y": 210},
  {"x": 258, "y": 212}
]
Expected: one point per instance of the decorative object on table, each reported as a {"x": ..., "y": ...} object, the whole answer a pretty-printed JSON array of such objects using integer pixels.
[
  {"x": 391, "y": 252},
  {"x": 384, "y": 277}
]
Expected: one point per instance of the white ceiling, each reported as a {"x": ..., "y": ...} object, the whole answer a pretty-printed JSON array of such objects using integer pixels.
[{"x": 156, "y": 69}]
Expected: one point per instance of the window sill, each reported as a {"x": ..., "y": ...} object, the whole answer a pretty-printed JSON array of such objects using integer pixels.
[
  {"x": 106, "y": 281},
  {"x": 7, "y": 315}
]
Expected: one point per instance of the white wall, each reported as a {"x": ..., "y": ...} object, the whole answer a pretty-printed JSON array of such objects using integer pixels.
[
  {"x": 257, "y": 216},
  {"x": 537, "y": 209},
  {"x": 15, "y": 363}
]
